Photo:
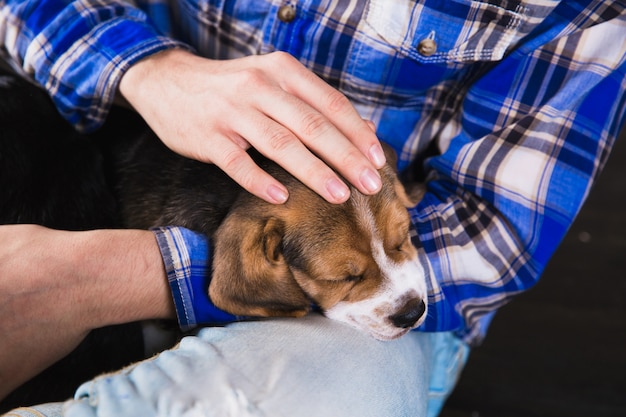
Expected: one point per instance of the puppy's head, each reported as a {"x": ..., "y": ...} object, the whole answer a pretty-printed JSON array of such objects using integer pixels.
[{"x": 354, "y": 260}]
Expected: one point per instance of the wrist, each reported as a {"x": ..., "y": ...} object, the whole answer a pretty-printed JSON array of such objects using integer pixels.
[
  {"x": 119, "y": 276},
  {"x": 141, "y": 80}
]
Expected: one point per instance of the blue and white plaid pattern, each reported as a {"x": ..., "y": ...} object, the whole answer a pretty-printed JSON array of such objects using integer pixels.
[
  {"x": 187, "y": 258},
  {"x": 521, "y": 102}
]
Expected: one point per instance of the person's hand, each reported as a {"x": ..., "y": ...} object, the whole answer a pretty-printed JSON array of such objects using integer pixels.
[
  {"x": 56, "y": 286},
  {"x": 212, "y": 111}
]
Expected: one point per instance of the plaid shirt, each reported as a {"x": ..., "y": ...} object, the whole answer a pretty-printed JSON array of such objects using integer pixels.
[{"x": 508, "y": 109}]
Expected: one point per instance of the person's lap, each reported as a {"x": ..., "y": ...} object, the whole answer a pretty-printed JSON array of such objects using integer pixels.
[{"x": 279, "y": 367}]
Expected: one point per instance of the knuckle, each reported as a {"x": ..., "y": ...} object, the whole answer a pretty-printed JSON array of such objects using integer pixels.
[
  {"x": 351, "y": 165},
  {"x": 317, "y": 172},
  {"x": 338, "y": 103},
  {"x": 281, "y": 58},
  {"x": 252, "y": 77},
  {"x": 315, "y": 124},
  {"x": 247, "y": 181},
  {"x": 280, "y": 140},
  {"x": 352, "y": 157},
  {"x": 238, "y": 166},
  {"x": 234, "y": 162},
  {"x": 287, "y": 65}
]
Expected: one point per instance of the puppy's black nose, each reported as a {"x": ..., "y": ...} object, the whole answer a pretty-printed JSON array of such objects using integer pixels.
[{"x": 409, "y": 314}]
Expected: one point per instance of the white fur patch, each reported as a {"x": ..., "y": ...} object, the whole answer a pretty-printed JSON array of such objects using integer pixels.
[{"x": 400, "y": 282}]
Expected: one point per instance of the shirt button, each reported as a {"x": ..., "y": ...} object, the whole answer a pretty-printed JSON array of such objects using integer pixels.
[
  {"x": 427, "y": 47},
  {"x": 286, "y": 13}
]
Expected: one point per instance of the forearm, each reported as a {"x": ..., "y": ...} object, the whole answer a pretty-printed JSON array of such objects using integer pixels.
[
  {"x": 56, "y": 286},
  {"x": 123, "y": 269}
]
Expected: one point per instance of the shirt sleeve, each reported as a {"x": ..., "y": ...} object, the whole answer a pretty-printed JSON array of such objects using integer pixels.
[
  {"x": 78, "y": 50},
  {"x": 187, "y": 258},
  {"x": 533, "y": 133}
]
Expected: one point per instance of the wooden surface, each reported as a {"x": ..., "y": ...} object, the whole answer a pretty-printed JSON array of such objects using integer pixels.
[{"x": 559, "y": 350}]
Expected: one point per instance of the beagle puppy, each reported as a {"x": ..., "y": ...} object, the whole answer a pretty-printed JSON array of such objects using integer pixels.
[{"x": 354, "y": 261}]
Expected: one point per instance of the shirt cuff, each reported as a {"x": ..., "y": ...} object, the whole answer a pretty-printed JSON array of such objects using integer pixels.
[{"x": 187, "y": 259}]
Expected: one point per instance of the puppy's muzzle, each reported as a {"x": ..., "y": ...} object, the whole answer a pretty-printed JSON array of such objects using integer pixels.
[{"x": 409, "y": 314}]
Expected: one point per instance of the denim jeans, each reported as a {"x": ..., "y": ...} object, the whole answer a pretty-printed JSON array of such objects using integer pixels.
[{"x": 311, "y": 366}]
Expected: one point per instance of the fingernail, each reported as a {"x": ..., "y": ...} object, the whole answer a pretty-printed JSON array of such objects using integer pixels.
[
  {"x": 337, "y": 189},
  {"x": 371, "y": 181},
  {"x": 277, "y": 194},
  {"x": 377, "y": 155}
]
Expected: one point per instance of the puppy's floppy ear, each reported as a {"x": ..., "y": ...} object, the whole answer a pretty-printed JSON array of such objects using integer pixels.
[
  {"x": 409, "y": 194},
  {"x": 250, "y": 275}
]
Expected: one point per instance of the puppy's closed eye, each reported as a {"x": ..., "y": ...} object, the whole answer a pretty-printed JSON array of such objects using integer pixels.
[{"x": 354, "y": 278}]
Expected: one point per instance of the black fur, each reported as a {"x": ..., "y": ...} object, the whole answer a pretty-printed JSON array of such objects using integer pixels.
[
  {"x": 153, "y": 186},
  {"x": 49, "y": 174}
]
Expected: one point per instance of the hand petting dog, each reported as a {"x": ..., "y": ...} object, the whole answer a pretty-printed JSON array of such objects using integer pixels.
[{"x": 269, "y": 102}]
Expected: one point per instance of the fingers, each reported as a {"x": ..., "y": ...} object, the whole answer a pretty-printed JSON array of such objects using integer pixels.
[
  {"x": 308, "y": 141},
  {"x": 311, "y": 139},
  {"x": 269, "y": 102},
  {"x": 236, "y": 162},
  {"x": 333, "y": 105},
  {"x": 281, "y": 145}
]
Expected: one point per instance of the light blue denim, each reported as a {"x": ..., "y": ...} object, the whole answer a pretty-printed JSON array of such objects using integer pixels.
[{"x": 311, "y": 366}]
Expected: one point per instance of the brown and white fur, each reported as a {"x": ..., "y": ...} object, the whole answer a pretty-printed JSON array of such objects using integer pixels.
[{"x": 355, "y": 261}]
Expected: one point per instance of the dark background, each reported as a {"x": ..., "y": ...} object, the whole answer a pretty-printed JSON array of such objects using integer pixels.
[{"x": 559, "y": 350}]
